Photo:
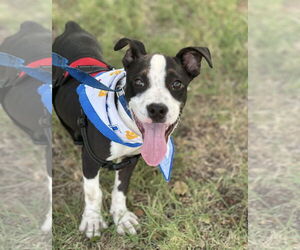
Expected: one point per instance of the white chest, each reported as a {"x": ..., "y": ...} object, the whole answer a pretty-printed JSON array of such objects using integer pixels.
[{"x": 119, "y": 151}]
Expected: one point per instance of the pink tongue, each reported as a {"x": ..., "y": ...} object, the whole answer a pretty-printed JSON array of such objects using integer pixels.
[{"x": 154, "y": 147}]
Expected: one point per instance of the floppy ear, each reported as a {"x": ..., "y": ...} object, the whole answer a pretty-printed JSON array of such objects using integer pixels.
[
  {"x": 191, "y": 57},
  {"x": 136, "y": 50}
]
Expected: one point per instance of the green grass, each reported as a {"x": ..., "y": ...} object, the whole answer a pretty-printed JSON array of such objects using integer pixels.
[
  {"x": 211, "y": 141},
  {"x": 23, "y": 188},
  {"x": 13, "y": 13},
  {"x": 274, "y": 175}
]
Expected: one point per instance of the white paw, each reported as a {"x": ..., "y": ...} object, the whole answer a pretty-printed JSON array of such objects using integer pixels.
[
  {"x": 91, "y": 224},
  {"x": 125, "y": 221},
  {"x": 47, "y": 225}
]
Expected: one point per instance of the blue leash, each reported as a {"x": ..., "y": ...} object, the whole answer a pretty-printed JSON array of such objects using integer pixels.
[
  {"x": 86, "y": 79},
  {"x": 43, "y": 76},
  {"x": 78, "y": 74},
  {"x": 8, "y": 60}
]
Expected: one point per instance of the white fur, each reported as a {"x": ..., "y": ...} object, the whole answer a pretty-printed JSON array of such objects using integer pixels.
[
  {"x": 47, "y": 225},
  {"x": 92, "y": 220},
  {"x": 119, "y": 151},
  {"x": 123, "y": 219},
  {"x": 126, "y": 119},
  {"x": 156, "y": 93}
]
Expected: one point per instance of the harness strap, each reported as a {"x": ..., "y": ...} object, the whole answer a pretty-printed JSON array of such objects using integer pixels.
[
  {"x": 95, "y": 65},
  {"x": 82, "y": 122},
  {"x": 91, "y": 69},
  {"x": 78, "y": 74},
  {"x": 11, "y": 61},
  {"x": 121, "y": 97},
  {"x": 41, "y": 63}
]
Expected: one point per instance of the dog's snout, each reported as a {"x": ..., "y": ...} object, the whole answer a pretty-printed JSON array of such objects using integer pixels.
[{"x": 157, "y": 112}]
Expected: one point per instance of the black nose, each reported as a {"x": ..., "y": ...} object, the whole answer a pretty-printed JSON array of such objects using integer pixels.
[{"x": 157, "y": 112}]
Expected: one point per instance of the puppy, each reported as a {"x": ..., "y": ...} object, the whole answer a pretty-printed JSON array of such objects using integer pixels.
[
  {"x": 155, "y": 89},
  {"x": 19, "y": 92}
]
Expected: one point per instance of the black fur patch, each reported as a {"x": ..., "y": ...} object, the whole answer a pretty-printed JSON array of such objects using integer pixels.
[{"x": 137, "y": 71}]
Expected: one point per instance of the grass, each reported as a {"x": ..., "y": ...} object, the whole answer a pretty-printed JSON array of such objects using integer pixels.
[
  {"x": 211, "y": 141},
  {"x": 274, "y": 207},
  {"x": 13, "y": 13},
  {"x": 23, "y": 188}
]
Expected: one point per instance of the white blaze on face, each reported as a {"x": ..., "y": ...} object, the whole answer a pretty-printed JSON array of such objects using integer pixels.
[
  {"x": 154, "y": 145},
  {"x": 157, "y": 92}
]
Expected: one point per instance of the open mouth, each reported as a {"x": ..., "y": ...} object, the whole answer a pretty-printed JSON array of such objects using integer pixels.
[
  {"x": 155, "y": 140},
  {"x": 168, "y": 131}
]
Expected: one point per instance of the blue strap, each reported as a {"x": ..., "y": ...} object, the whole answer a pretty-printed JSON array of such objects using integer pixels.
[
  {"x": 124, "y": 104},
  {"x": 86, "y": 79},
  {"x": 78, "y": 74},
  {"x": 11, "y": 61},
  {"x": 45, "y": 92}
]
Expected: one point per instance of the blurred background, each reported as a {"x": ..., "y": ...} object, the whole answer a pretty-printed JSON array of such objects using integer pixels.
[
  {"x": 205, "y": 203},
  {"x": 273, "y": 130},
  {"x": 24, "y": 196}
]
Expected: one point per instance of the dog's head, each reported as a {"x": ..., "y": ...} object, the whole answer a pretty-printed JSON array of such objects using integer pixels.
[{"x": 156, "y": 91}]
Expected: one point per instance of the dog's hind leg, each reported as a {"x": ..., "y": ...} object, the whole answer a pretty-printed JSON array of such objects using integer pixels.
[
  {"x": 124, "y": 219},
  {"x": 92, "y": 221}
]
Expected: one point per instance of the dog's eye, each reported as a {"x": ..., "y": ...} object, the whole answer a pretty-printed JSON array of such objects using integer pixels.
[
  {"x": 177, "y": 85},
  {"x": 139, "y": 83}
]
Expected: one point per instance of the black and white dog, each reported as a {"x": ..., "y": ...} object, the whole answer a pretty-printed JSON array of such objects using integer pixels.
[
  {"x": 156, "y": 92},
  {"x": 19, "y": 95}
]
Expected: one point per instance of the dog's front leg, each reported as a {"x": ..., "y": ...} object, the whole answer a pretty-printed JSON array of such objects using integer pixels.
[
  {"x": 124, "y": 219},
  {"x": 92, "y": 221},
  {"x": 47, "y": 225}
]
